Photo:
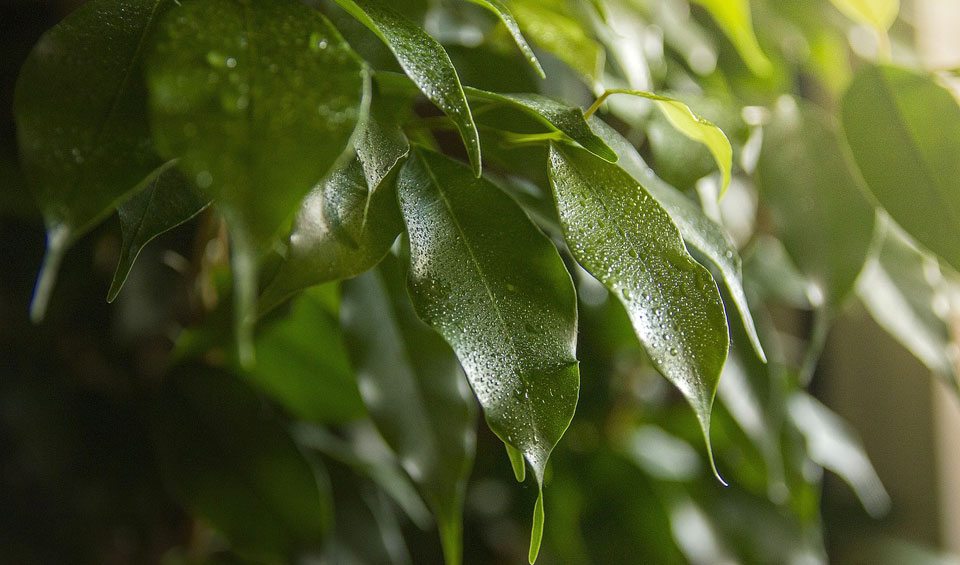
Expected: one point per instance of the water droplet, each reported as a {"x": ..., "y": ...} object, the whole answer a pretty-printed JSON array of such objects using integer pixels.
[
  {"x": 317, "y": 42},
  {"x": 204, "y": 179}
]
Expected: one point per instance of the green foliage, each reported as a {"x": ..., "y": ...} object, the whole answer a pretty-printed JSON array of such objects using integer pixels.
[{"x": 388, "y": 287}]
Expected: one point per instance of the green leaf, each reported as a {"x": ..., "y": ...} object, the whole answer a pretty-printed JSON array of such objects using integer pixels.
[
  {"x": 302, "y": 362},
  {"x": 733, "y": 17},
  {"x": 878, "y": 14},
  {"x": 698, "y": 231},
  {"x": 625, "y": 239},
  {"x": 563, "y": 118},
  {"x": 536, "y": 534},
  {"x": 904, "y": 130},
  {"x": 236, "y": 93},
  {"x": 329, "y": 240},
  {"x": 167, "y": 201},
  {"x": 495, "y": 288},
  {"x": 79, "y": 107},
  {"x": 689, "y": 124},
  {"x": 556, "y": 28},
  {"x": 817, "y": 204},
  {"x": 236, "y": 468},
  {"x": 415, "y": 393},
  {"x": 380, "y": 142},
  {"x": 503, "y": 12},
  {"x": 425, "y": 62},
  {"x": 516, "y": 461}
]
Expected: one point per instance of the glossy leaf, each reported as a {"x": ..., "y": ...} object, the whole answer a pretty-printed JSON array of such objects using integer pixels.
[
  {"x": 235, "y": 94},
  {"x": 329, "y": 240},
  {"x": 566, "y": 119},
  {"x": 499, "y": 8},
  {"x": 380, "y": 142},
  {"x": 625, "y": 239},
  {"x": 425, "y": 62},
  {"x": 79, "y": 107},
  {"x": 236, "y": 468},
  {"x": 415, "y": 393},
  {"x": 816, "y": 202},
  {"x": 904, "y": 130},
  {"x": 733, "y": 17},
  {"x": 556, "y": 28},
  {"x": 167, "y": 201},
  {"x": 698, "y": 231},
  {"x": 494, "y": 287}
]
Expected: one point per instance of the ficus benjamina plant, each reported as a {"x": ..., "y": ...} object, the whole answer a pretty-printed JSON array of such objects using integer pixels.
[{"x": 440, "y": 209}]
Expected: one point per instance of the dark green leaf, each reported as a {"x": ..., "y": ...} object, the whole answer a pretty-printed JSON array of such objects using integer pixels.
[
  {"x": 817, "y": 205},
  {"x": 168, "y": 201},
  {"x": 698, "y": 231},
  {"x": 79, "y": 107},
  {"x": 329, "y": 240},
  {"x": 503, "y": 12},
  {"x": 624, "y": 238},
  {"x": 257, "y": 99},
  {"x": 425, "y": 62},
  {"x": 236, "y": 467},
  {"x": 904, "y": 130},
  {"x": 415, "y": 393},
  {"x": 566, "y": 119},
  {"x": 380, "y": 142},
  {"x": 496, "y": 289}
]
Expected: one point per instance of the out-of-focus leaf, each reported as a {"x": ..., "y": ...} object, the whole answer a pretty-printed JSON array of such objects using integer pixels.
[
  {"x": 506, "y": 16},
  {"x": 79, "y": 107},
  {"x": 733, "y": 17},
  {"x": 425, "y": 62},
  {"x": 625, "y": 239},
  {"x": 495, "y": 288},
  {"x": 236, "y": 467},
  {"x": 556, "y": 28},
  {"x": 817, "y": 204},
  {"x": 329, "y": 240},
  {"x": 415, "y": 393},
  {"x": 302, "y": 362},
  {"x": 832, "y": 444},
  {"x": 878, "y": 14},
  {"x": 563, "y": 118},
  {"x": 905, "y": 292},
  {"x": 904, "y": 130},
  {"x": 698, "y": 231},
  {"x": 234, "y": 94},
  {"x": 167, "y": 201}
]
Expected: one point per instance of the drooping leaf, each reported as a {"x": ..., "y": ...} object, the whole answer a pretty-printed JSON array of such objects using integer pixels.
[
  {"x": 625, "y": 239},
  {"x": 516, "y": 461},
  {"x": 168, "y": 200},
  {"x": 415, "y": 393},
  {"x": 329, "y": 240},
  {"x": 904, "y": 130},
  {"x": 79, "y": 107},
  {"x": 236, "y": 93},
  {"x": 733, "y": 17},
  {"x": 817, "y": 204},
  {"x": 425, "y": 62},
  {"x": 494, "y": 287},
  {"x": 563, "y": 118},
  {"x": 698, "y": 231},
  {"x": 236, "y": 468},
  {"x": 499, "y": 8},
  {"x": 558, "y": 29},
  {"x": 904, "y": 290}
]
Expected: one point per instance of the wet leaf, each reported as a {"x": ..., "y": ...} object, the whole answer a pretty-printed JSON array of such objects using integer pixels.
[
  {"x": 380, "y": 141},
  {"x": 733, "y": 17},
  {"x": 79, "y": 107},
  {"x": 235, "y": 94},
  {"x": 506, "y": 16},
  {"x": 425, "y": 62},
  {"x": 904, "y": 130},
  {"x": 236, "y": 467},
  {"x": 415, "y": 393},
  {"x": 485, "y": 278},
  {"x": 625, "y": 239},
  {"x": 817, "y": 205},
  {"x": 167, "y": 201}
]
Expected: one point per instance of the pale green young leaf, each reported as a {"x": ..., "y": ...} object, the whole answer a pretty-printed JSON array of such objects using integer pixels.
[
  {"x": 236, "y": 93},
  {"x": 79, "y": 106},
  {"x": 904, "y": 130},
  {"x": 415, "y": 393},
  {"x": 506, "y": 16},
  {"x": 516, "y": 461},
  {"x": 425, "y": 62},
  {"x": 167, "y": 201},
  {"x": 624, "y": 238},
  {"x": 733, "y": 17},
  {"x": 878, "y": 14},
  {"x": 558, "y": 29}
]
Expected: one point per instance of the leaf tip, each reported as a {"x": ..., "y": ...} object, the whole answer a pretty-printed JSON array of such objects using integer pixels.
[
  {"x": 536, "y": 534},
  {"x": 58, "y": 239}
]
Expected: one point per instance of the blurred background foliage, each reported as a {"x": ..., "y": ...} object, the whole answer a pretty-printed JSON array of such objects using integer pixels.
[{"x": 89, "y": 416}]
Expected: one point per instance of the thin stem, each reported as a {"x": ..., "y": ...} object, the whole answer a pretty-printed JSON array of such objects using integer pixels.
[{"x": 58, "y": 240}]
